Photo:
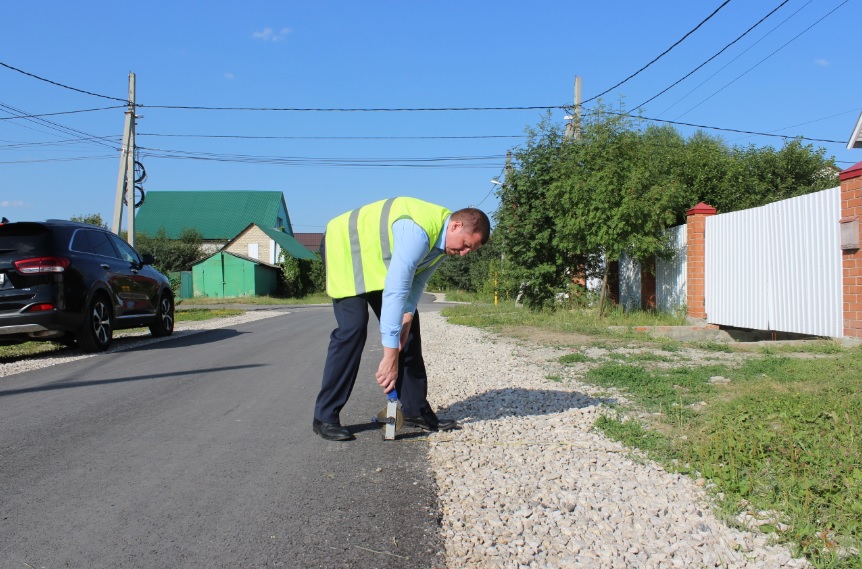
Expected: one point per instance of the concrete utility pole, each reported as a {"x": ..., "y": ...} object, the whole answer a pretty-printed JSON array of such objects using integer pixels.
[
  {"x": 126, "y": 177},
  {"x": 573, "y": 128}
]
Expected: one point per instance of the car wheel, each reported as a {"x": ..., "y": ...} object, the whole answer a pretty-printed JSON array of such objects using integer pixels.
[
  {"x": 164, "y": 323},
  {"x": 96, "y": 333}
]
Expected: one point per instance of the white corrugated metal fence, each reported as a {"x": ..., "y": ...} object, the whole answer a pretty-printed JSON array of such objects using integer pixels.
[{"x": 777, "y": 267}]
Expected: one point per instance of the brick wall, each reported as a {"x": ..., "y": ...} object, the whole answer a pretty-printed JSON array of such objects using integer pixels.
[
  {"x": 695, "y": 259},
  {"x": 851, "y": 205},
  {"x": 253, "y": 235}
]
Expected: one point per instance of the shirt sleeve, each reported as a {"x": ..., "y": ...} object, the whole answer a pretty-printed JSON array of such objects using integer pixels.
[{"x": 410, "y": 244}]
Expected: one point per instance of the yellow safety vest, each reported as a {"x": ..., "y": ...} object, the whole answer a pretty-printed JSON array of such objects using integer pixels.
[{"x": 358, "y": 244}]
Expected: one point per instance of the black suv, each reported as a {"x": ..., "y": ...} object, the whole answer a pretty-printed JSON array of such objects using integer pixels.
[{"x": 66, "y": 281}]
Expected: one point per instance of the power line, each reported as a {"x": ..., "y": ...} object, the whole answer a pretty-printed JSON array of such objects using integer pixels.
[
  {"x": 250, "y": 137},
  {"x": 722, "y": 50},
  {"x": 7, "y": 66},
  {"x": 61, "y": 113},
  {"x": 441, "y": 161},
  {"x": 20, "y": 114},
  {"x": 725, "y": 129},
  {"x": 354, "y": 110},
  {"x": 794, "y": 38},
  {"x": 665, "y": 52},
  {"x": 743, "y": 52}
]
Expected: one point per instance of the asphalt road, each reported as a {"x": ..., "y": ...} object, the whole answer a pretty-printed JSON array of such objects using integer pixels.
[{"x": 198, "y": 452}]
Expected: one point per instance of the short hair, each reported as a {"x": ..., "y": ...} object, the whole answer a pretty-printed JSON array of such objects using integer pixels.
[{"x": 475, "y": 221}]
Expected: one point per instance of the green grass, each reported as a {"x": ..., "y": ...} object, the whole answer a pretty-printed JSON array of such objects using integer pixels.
[
  {"x": 784, "y": 435},
  {"x": 584, "y": 321}
]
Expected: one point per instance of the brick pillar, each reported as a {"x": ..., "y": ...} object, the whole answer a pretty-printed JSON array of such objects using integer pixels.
[
  {"x": 851, "y": 259},
  {"x": 696, "y": 259}
]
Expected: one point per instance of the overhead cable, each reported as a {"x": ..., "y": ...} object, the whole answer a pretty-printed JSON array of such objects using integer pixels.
[
  {"x": 722, "y": 50},
  {"x": 33, "y": 116},
  {"x": 665, "y": 52},
  {"x": 794, "y": 38},
  {"x": 353, "y": 110},
  {"x": 7, "y": 66},
  {"x": 785, "y": 136}
]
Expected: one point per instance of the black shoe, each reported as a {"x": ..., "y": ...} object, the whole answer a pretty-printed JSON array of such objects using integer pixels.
[
  {"x": 431, "y": 423},
  {"x": 331, "y": 431}
]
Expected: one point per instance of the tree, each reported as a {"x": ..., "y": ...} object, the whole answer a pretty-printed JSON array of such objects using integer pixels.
[
  {"x": 92, "y": 219},
  {"x": 301, "y": 277},
  {"x": 172, "y": 255},
  {"x": 569, "y": 207},
  {"x": 525, "y": 219}
]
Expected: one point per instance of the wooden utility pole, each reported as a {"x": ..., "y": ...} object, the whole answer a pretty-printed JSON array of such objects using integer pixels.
[{"x": 126, "y": 177}]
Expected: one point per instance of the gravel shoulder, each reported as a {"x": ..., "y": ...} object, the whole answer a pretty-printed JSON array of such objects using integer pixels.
[{"x": 526, "y": 482}]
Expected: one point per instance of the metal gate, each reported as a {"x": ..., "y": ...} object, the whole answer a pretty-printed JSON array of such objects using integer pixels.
[
  {"x": 670, "y": 274},
  {"x": 777, "y": 267}
]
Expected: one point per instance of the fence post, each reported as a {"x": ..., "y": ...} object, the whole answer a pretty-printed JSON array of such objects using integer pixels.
[
  {"x": 851, "y": 259},
  {"x": 695, "y": 285}
]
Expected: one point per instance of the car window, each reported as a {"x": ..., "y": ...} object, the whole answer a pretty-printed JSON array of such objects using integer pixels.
[
  {"x": 24, "y": 239},
  {"x": 100, "y": 244},
  {"x": 126, "y": 251},
  {"x": 80, "y": 242}
]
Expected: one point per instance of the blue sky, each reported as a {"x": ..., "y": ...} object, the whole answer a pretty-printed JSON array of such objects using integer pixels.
[{"x": 796, "y": 74}]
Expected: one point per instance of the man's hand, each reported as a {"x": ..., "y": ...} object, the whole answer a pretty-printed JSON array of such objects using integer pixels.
[{"x": 387, "y": 371}]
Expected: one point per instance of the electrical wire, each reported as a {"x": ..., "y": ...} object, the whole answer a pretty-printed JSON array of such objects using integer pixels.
[
  {"x": 743, "y": 52},
  {"x": 722, "y": 50},
  {"x": 354, "y": 110},
  {"x": 442, "y": 161},
  {"x": 794, "y": 38},
  {"x": 235, "y": 136},
  {"x": 640, "y": 117},
  {"x": 34, "y": 76},
  {"x": 61, "y": 113},
  {"x": 20, "y": 114},
  {"x": 665, "y": 52}
]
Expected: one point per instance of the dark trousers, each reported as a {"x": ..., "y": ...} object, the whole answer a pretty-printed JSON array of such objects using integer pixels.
[{"x": 346, "y": 344}]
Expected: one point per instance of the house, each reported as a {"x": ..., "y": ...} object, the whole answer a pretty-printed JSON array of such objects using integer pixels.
[
  {"x": 310, "y": 241},
  {"x": 856, "y": 137},
  {"x": 267, "y": 244},
  {"x": 218, "y": 215}
]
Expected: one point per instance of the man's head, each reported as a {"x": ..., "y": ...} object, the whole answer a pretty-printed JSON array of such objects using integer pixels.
[{"x": 468, "y": 229}]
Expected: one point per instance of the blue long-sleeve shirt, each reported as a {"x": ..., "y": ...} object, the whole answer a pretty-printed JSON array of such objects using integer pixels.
[{"x": 403, "y": 287}]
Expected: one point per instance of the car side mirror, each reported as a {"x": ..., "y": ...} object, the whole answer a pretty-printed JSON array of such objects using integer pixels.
[{"x": 148, "y": 259}]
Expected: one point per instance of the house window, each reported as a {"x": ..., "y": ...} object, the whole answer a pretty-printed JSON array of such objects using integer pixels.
[
  {"x": 252, "y": 251},
  {"x": 279, "y": 223}
]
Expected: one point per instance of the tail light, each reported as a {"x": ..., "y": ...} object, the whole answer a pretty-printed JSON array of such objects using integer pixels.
[
  {"x": 41, "y": 265},
  {"x": 42, "y": 307}
]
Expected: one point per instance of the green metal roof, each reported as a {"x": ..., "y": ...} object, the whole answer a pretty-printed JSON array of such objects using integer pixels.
[
  {"x": 290, "y": 245},
  {"x": 218, "y": 215}
]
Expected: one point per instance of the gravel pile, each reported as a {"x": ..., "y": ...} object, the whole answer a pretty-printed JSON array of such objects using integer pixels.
[{"x": 526, "y": 483}]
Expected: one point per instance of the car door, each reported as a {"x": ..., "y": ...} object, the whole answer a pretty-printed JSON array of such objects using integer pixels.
[
  {"x": 144, "y": 287},
  {"x": 112, "y": 270}
]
